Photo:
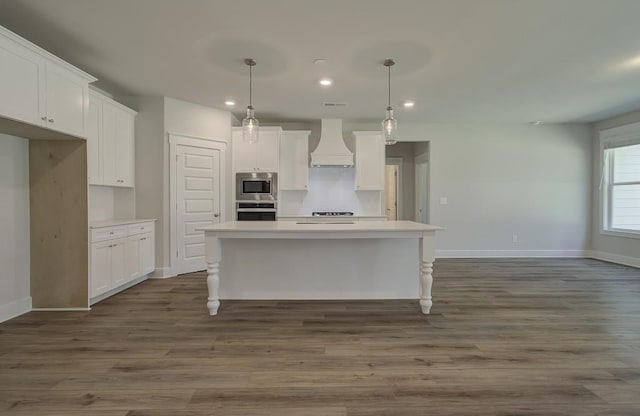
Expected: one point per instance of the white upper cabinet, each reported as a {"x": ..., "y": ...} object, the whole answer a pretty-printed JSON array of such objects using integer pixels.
[
  {"x": 294, "y": 161},
  {"x": 21, "y": 82},
  {"x": 94, "y": 140},
  {"x": 67, "y": 101},
  {"x": 369, "y": 161},
  {"x": 40, "y": 89},
  {"x": 256, "y": 157},
  {"x": 110, "y": 142}
]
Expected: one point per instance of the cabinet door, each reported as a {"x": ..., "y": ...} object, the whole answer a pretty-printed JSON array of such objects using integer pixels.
[
  {"x": 244, "y": 154},
  {"x": 267, "y": 151},
  {"x": 124, "y": 148},
  {"x": 22, "y": 84},
  {"x": 294, "y": 161},
  {"x": 109, "y": 144},
  {"x": 119, "y": 273},
  {"x": 133, "y": 257},
  {"x": 100, "y": 267},
  {"x": 94, "y": 138},
  {"x": 66, "y": 101},
  {"x": 369, "y": 162},
  {"x": 147, "y": 254}
]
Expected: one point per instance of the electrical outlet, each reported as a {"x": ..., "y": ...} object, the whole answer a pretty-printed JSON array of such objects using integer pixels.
[
  {"x": 515, "y": 238},
  {"x": 444, "y": 200}
]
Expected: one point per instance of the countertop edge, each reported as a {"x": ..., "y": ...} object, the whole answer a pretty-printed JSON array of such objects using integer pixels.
[{"x": 114, "y": 223}]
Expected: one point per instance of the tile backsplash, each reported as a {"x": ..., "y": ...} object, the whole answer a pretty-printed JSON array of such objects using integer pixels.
[{"x": 330, "y": 189}]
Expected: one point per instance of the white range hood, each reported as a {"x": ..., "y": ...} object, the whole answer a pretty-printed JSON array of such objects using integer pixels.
[{"x": 331, "y": 150}]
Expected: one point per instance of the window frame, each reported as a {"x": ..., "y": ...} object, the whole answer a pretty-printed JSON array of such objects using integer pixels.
[{"x": 628, "y": 135}]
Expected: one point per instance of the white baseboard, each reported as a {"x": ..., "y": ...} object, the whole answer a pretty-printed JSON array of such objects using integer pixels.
[
  {"x": 118, "y": 289},
  {"x": 15, "y": 308},
  {"x": 510, "y": 253},
  {"x": 162, "y": 273},
  {"x": 616, "y": 258},
  {"x": 60, "y": 309}
]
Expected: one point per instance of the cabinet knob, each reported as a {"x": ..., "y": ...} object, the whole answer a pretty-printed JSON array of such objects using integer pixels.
[
  {"x": 216, "y": 215},
  {"x": 43, "y": 118},
  {"x": 51, "y": 120}
]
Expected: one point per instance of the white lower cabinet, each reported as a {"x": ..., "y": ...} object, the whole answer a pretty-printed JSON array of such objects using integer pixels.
[
  {"x": 100, "y": 268},
  {"x": 119, "y": 255}
]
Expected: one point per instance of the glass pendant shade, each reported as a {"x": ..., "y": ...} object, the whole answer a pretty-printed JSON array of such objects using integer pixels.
[
  {"x": 250, "y": 127},
  {"x": 389, "y": 124},
  {"x": 250, "y": 123},
  {"x": 390, "y": 128}
]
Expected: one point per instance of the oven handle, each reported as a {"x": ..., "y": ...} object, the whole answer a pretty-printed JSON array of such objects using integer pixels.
[{"x": 256, "y": 210}]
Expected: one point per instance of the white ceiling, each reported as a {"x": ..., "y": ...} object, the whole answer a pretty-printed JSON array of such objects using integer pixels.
[{"x": 460, "y": 60}]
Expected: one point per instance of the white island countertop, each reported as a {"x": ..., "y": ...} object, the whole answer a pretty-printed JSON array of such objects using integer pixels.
[{"x": 310, "y": 229}]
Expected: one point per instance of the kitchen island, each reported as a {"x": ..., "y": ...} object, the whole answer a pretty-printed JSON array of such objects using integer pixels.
[{"x": 303, "y": 260}]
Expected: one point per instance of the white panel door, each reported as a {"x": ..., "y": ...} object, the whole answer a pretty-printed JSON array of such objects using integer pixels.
[{"x": 197, "y": 203}]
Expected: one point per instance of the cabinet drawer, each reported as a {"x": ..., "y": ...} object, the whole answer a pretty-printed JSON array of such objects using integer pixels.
[
  {"x": 108, "y": 233},
  {"x": 140, "y": 228}
]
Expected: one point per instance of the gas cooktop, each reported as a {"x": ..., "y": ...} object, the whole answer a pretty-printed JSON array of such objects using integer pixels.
[{"x": 332, "y": 214}]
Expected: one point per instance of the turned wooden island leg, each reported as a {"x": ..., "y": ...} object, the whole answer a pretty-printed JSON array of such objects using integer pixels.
[
  {"x": 427, "y": 255},
  {"x": 213, "y": 256}
]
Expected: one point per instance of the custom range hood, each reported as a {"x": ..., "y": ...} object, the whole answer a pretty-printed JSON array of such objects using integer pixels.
[{"x": 331, "y": 150}]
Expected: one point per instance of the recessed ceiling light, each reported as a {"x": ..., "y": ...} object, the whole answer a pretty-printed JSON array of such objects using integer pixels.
[
  {"x": 325, "y": 82},
  {"x": 319, "y": 61},
  {"x": 409, "y": 104},
  {"x": 535, "y": 123},
  {"x": 230, "y": 103}
]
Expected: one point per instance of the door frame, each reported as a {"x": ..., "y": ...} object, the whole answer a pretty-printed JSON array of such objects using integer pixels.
[
  {"x": 397, "y": 161},
  {"x": 176, "y": 140},
  {"x": 422, "y": 158}
]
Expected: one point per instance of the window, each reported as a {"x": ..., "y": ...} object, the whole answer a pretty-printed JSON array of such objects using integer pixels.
[{"x": 620, "y": 185}]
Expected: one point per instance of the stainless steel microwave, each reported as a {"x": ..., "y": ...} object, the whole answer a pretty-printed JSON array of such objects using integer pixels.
[{"x": 254, "y": 186}]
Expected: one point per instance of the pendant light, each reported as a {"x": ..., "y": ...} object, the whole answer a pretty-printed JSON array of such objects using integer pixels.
[
  {"x": 389, "y": 124},
  {"x": 250, "y": 122}
]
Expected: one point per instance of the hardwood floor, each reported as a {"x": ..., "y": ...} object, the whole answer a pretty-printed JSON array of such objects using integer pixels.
[{"x": 506, "y": 337}]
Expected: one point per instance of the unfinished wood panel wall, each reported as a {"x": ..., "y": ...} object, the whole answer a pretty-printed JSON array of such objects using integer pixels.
[{"x": 59, "y": 220}]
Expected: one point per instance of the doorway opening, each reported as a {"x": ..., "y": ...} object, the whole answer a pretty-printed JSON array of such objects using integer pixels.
[
  {"x": 393, "y": 188},
  {"x": 406, "y": 195}
]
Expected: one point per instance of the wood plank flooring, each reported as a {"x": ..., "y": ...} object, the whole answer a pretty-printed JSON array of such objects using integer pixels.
[{"x": 506, "y": 337}]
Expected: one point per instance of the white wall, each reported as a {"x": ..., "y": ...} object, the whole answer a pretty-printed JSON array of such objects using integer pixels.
[
  {"x": 149, "y": 167},
  {"x": 194, "y": 120},
  {"x": 157, "y": 117},
  {"x": 506, "y": 179},
  {"x": 618, "y": 249},
  {"x": 15, "y": 273}
]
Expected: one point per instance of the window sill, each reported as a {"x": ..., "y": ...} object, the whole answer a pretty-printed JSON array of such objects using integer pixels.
[{"x": 624, "y": 234}]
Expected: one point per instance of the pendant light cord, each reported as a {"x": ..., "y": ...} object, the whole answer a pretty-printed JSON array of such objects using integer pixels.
[
  {"x": 250, "y": 82},
  {"x": 389, "y": 63},
  {"x": 389, "y": 83}
]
